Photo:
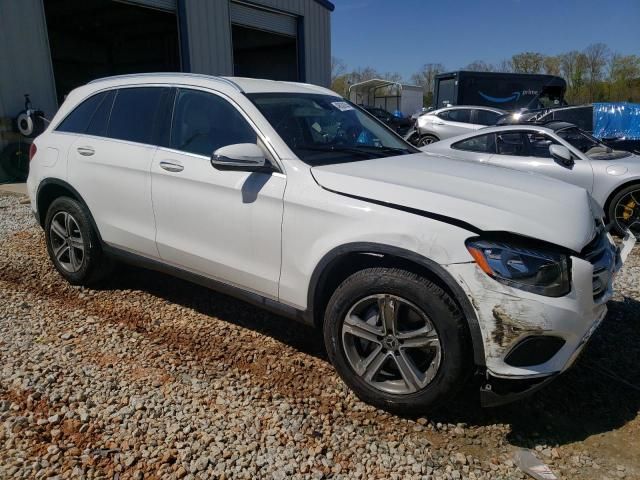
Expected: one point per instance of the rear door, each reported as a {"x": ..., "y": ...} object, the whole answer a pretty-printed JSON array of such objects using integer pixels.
[
  {"x": 453, "y": 122},
  {"x": 111, "y": 166},
  {"x": 529, "y": 151}
]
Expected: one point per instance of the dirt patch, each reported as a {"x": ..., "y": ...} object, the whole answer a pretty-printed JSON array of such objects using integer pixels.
[{"x": 507, "y": 328}]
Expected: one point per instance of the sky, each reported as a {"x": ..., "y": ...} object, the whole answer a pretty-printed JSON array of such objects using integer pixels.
[{"x": 401, "y": 35}]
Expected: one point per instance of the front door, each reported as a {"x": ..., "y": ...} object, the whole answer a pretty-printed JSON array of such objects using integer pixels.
[
  {"x": 529, "y": 150},
  {"x": 224, "y": 225}
]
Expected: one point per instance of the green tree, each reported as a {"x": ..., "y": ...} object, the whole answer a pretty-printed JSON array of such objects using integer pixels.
[
  {"x": 551, "y": 65},
  {"x": 338, "y": 76},
  {"x": 597, "y": 57},
  {"x": 527, "y": 62},
  {"x": 480, "y": 66},
  {"x": 624, "y": 77},
  {"x": 504, "y": 66},
  {"x": 425, "y": 77},
  {"x": 573, "y": 66}
]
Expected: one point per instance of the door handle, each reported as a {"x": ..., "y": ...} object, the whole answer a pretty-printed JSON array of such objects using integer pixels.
[
  {"x": 438, "y": 123},
  {"x": 171, "y": 167},
  {"x": 86, "y": 151}
]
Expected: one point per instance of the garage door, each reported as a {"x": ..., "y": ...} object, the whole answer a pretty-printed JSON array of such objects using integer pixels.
[{"x": 267, "y": 20}]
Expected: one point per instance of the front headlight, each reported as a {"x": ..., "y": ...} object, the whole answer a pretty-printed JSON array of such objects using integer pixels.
[{"x": 537, "y": 271}]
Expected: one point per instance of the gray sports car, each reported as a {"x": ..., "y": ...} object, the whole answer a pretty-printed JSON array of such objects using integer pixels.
[{"x": 563, "y": 151}]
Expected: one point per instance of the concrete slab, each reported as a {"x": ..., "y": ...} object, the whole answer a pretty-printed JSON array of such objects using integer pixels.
[{"x": 14, "y": 188}]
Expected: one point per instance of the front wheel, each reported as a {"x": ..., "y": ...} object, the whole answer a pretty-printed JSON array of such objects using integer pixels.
[
  {"x": 397, "y": 340},
  {"x": 624, "y": 210}
]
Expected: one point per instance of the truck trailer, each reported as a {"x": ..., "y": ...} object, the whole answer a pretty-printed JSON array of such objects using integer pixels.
[{"x": 508, "y": 91}]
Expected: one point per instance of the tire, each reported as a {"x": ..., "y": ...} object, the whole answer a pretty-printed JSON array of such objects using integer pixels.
[
  {"x": 416, "y": 302},
  {"x": 73, "y": 244},
  {"x": 625, "y": 203},
  {"x": 427, "y": 140}
]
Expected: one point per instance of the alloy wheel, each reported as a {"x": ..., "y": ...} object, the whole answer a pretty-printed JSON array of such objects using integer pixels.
[
  {"x": 66, "y": 242},
  {"x": 391, "y": 344},
  {"x": 627, "y": 212},
  {"x": 426, "y": 141}
]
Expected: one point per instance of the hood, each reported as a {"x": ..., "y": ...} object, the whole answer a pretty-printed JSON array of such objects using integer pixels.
[{"x": 486, "y": 197}]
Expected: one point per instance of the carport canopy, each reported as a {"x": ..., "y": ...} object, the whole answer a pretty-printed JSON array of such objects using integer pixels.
[
  {"x": 377, "y": 92},
  {"x": 366, "y": 93}
]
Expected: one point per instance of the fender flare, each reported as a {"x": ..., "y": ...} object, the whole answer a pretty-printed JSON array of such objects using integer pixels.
[
  {"x": 438, "y": 271},
  {"x": 61, "y": 183}
]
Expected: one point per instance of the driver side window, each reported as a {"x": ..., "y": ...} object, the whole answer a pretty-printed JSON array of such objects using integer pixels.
[
  {"x": 510, "y": 144},
  {"x": 539, "y": 144},
  {"x": 204, "y": 122}
]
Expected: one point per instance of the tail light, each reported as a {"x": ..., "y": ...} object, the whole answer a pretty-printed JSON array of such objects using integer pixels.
[{"x": 32, "y": 151}]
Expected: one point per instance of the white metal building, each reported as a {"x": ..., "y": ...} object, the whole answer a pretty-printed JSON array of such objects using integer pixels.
[
  {"x": 48, "y": 47},
  {"x": 388, "y": 95}
]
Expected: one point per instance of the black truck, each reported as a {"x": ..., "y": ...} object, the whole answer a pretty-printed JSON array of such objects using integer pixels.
[{"x": 508, "y": 91}]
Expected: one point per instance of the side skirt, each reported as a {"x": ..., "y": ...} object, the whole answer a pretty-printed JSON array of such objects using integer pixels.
[{"x": 258, "y": 300}]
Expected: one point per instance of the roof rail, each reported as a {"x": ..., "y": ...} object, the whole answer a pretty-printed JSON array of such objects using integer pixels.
[{"x": 171, "y": 74}]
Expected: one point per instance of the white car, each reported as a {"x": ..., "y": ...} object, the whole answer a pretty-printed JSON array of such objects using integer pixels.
[
  {"x": 448, "y": 122},
  {"x": 563, "y": 151},
  {"x": 420, "y": 271}
]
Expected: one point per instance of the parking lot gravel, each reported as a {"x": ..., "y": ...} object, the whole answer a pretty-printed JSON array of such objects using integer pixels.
[{"x": 152, "y": 377}]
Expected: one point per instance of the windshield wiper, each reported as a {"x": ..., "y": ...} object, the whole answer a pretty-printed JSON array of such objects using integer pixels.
[
  {"x": 385, "y": 149},
  {"x": 363, "y": 150}
]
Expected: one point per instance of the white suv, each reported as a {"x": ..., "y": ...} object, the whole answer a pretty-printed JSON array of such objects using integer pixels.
[{"x": 421, "y": 271}]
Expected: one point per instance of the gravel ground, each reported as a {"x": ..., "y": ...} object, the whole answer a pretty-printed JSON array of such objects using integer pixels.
[{"x": 152, "y": 377}]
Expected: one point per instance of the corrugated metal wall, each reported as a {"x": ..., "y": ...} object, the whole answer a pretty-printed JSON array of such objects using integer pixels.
[
  {"x": 25, "y": 63},
  {"x": 210, "y": 36}
]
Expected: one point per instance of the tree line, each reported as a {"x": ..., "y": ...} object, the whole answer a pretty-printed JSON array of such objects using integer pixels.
[{"x": 595, "y": 74}]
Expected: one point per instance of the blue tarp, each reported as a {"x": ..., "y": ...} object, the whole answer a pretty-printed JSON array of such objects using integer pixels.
[{"x": 616, "y": 120}]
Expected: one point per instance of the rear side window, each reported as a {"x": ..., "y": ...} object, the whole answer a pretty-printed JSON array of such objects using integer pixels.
[
  {"x": 486, "y": 117},
  {"x": 203, "y": 122},
  {"x": 460, "y": 115},
  {"x": 78, "y": 120},
  {"x": 135, "y": 113},
  {"x": 100, "y": 118},
  {"x": 482, "y": 143}
]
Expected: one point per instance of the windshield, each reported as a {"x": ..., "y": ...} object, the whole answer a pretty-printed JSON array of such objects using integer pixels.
[
  {"x": 323, "y": 129},
  {"x": 589, "y": 145}
]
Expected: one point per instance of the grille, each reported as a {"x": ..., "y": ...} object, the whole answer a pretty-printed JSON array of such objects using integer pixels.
[{"x": 603, "y": 255}]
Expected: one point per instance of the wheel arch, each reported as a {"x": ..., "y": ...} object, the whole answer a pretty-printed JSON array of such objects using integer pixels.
[
  {"x": 615, "y": 191},
  {"x": 430, "y": 134},
  {"x": 347, "y": 259},
  {"x": 52, "y": 188}
]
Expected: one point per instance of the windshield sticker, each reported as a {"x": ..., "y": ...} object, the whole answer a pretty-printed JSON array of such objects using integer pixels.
[{"x": 342, "y": 106}]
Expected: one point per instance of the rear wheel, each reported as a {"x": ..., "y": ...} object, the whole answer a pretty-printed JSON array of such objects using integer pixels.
[
  {"x": 397, "y": 340},
  {"x": 73, "y": 244},
  {"x": 427, "y": 140},
  {"x": 624, "y": 210}
]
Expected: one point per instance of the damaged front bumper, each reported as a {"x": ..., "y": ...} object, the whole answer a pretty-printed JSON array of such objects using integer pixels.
[{"x": 529, "y": 339}]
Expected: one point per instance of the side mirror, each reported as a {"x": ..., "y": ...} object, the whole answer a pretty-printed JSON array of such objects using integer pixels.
[
  {"x": 562, "y": 155},
  {"x": 242, "y": 157}
]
